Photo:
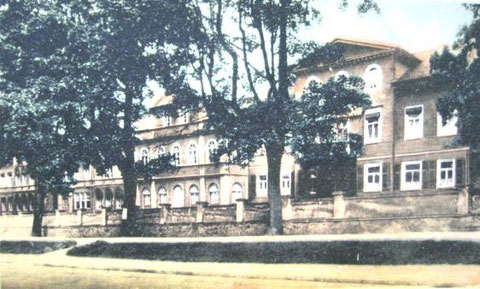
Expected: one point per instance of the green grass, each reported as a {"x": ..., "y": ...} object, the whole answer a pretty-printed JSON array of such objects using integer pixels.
[
  {"x": 33, "y": 247},
  {"x": 328, "y": 252}
]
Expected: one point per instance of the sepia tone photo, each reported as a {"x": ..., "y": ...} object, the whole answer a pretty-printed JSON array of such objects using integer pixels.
[{"x": 239, "y": 144}]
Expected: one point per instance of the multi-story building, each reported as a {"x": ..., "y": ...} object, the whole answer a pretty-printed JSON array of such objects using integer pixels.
[{"x": 407, "y": 146}]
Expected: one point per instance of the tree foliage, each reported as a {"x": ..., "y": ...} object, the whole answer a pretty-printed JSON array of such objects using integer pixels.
[
  {"x": 457, "y": 72},
  {"x": 250, "y": 44}
]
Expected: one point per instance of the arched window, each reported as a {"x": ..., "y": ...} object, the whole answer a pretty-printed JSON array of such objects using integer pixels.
[
  {"x": 236, "y": 192},
  {"x": 194, "y": 195},
  {"x": 311, "y": 80},
  {"x": 161, "y": 151},
  {"x": 162, "y": 195},
  {"x": 108, "y": 198},
  {"x": 192, "y": 153},
  {"x": 213, "y": 193},
  {"x": 144, "y": 155},
  {"x": 178, "y": 197},
  {"x": 99, "y": 199},
  {"x": 341, "y": 73},
  {"x": 211, "y": 149},
  {"x": 146, "y": 198},
  {"x": 373, "y": 77},
  {"x": 176, "y": 155},
  {"x": 118, "y": 198}
]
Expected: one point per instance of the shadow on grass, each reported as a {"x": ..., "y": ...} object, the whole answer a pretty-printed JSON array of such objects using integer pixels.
[
  {"x": 332, "y": 252},
  {"x": 33, "y": 247}
]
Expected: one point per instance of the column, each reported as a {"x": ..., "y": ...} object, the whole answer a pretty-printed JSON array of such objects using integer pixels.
[
  {"x": 201, "y": 211},
  {"x": 79, "y": 217},
  {"x": 463, "y": 202},
  {"x": 138, "y": 199},
  {"x": 58, "y": 218},
  {"x": 203, "y": 191},
  {"x": 225, "y": 190},
  {"x": 70, "y": 203},
  {"x": 287, "y": 211},
  {"x": 104, "y": 217},
  {"x": 153, "y": 195},
  {"x": 338, "y": 205},
  {"x": 240, "y": 205},
  {"x": 165, "y": 213}
]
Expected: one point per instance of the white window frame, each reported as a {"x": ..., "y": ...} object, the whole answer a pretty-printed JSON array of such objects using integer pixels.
[
  {"x": 237, "y": 192},
  {"x": 211, "y": 147},
  {"x": 439, "y": 173},
  {"x": 286, "y": 184},
  {"x": 194, "y": 192},
  {"x": 366, "y": 138},
  {"x": 81, "y": 201},
  {"x": 367, "y": 187},
  {"x": 192, "y": 153},
  {"x": 178, "y": 197},
  {"x": 166, "y": 121},
  {"x": 214, "y": 193},
  {"x": 262, "y": 186},
  {"x": 409, "y": 132},
  {"x": 404, "y": 186},
  {"x": 373, "y": 80},
  {"x": 147, "y": 197},
  {"x": 144, "y": 155},
  {"x": 176, "y": 160},
  {"x": 161, "y": 151},
  {"x": 450, "y": 128},
  {"x": 162, "y": 195}
]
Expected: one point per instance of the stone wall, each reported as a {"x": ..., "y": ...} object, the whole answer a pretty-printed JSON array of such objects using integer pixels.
[{"x": 219, "y": 213}]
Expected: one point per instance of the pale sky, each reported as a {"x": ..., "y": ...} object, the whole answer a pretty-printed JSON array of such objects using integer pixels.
[{"x": 413, "y": 24}]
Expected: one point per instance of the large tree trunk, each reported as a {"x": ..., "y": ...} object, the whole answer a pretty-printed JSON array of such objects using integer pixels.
[
  {"x": 38, "y": 211},
  {"x": 128, "y": 168},
  {"x": 274, "y": 161}
]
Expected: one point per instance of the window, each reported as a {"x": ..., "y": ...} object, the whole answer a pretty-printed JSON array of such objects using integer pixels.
[
  {"x": 144, "y": 155},
  {"x": 414, "y": 122},
  {"x": 236, "y": 192},
  {"x": 285, "y": 185},
  {"x": 176, "y": 155},
  {"x": 162, "y": 195},
  {"x": 166, "y": 120},
  {"x": 147, "y": 200},
  {"x": 109, "y": 173},
  {"x": 118, "y": 198},
  {"x": 211, "y": 148},
  {"x": 81, "y": 201},
  {"x": 108, "y": 198},
  {"x": 372, "y": 126},
  {"x": 373, "y": 177},
  {"x": 186, "y": 117},
  {"x": 194, "y": 195},
  {"x": 161, "y": 151},
  {"x": 213, "y": 192},
  {"x": 373, "y": 77},
  {"x": 262, "y": 186},
  {"x": 445, "y": 173},
  {"x": 411, "y": 176},
  {"x": 178, "y": 198},
  {"x": 192, "y": 153},
  {"x": 450, "y": 127},
  {"x": 342, "y": 131}
]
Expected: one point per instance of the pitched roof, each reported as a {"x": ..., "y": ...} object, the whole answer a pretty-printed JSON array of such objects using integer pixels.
[
  {"x": 367, "y": 43},
  {"x": 422, "y": 69}
]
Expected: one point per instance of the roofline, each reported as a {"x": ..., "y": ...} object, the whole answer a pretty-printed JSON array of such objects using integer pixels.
[{"x": 361, "y": 42}]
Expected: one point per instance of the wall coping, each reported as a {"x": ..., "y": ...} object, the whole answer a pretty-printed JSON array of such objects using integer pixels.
[{"x": 403, "y": 195}]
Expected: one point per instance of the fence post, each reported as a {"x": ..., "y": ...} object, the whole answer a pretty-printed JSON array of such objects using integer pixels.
[
  {"x": 58, "y": 218},
  {"x": 287, "y": 212},
  {"x": 124, "y": 213},
  {"x": 79, "y": 217},
  {"x": 463, "y": 202},
  {"x": 165, "y": 213},
  {"x": 338, "y": 205},
  {"x": 240, "y": 210},
  {"x": 104, "y": 217},
  {"x": 201, "y": 211}
]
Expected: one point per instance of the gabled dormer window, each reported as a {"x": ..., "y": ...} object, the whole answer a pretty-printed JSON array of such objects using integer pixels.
[
  {"x": 450, "y": 126},
  {"x": 373, "y": 77}
]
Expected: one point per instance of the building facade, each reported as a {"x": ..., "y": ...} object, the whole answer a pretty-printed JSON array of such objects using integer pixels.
[{"x": 407, "y": 146}]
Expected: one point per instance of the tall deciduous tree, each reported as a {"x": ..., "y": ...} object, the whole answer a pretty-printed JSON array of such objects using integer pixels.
[
  {"x": 457, "y": 73},
  {"x": 41, "y": 119},
  {"x": 126, "y": 44},
  {"x": 250, "y": 44}
]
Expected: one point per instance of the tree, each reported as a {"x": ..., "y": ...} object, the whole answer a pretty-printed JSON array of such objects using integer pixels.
[
  {"x": 41, "y": 122},
  {"x": 127, "y": 43},
  {"x": 248, "y": 44},
  {"x": 457, "y": 73}
]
